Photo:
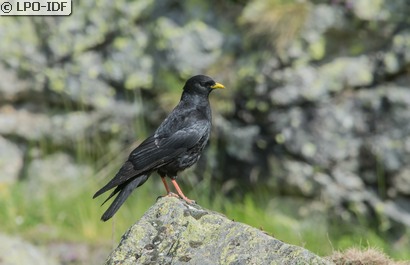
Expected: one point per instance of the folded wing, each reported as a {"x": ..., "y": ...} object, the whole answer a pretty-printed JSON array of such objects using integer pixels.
[{"x": 157, "y": 151}]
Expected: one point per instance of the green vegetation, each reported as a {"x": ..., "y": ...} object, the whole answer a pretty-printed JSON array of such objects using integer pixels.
[{"x": 77, "y": 218}]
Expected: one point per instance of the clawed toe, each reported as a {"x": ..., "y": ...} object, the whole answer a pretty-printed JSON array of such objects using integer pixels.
[
  {"x": 170, "y": 194},
  {"x": 189, "y": 201}
]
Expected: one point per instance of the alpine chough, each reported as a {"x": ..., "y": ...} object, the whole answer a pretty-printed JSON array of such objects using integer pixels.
[{"x": 176, "y": 145}]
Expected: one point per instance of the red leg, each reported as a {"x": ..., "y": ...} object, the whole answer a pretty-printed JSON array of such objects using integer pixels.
[
  {"x": 169, "y": 193},
  {"x": 165, "y": 184},
  {"x": 180, "y": 193}
]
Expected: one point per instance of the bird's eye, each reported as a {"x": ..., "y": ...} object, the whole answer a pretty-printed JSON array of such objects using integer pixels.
[{"x": 207, "y": 84}]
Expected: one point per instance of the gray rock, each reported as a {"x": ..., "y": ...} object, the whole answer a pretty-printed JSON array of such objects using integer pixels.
[
  {"x": 189, "y": 49},
  {"x": 347, "y": 178},
  {"x": 72, "y": 127},
  {"x": 240, "y": 140},
  {"x": 320, "y": 135},
  {"x": 401, "y": 47},
  {"x": 299, "y": 86},
  {"x": 15, "y": 251},
  {"x": 11, "y": 87},
  {"x": 64, "y": 129},
  {"x": 349, "y": 71},
  {"x": 296, "y": 177},
  {"x": 369, "y": 10},
  {"x": 121, "y": 64},
  {"x": 307, "y": 83},
  {"x": 172, "y": 232},
  {"x": 84, "y": 88},
  {"x": 320, "y": 19},
  {"x": 388, "y": 117},
  {"x": 401, "y": 181},
  {"x": 11, "y": 161},
  {"x": 68, "y": 130},
  {"x": 397, "y": 210},
  {"x": 23, "y": 123},
  {"x": 56, "y": 170},
  {"x": 77, "y": 253},
  {"x": 19, "y": 42}
]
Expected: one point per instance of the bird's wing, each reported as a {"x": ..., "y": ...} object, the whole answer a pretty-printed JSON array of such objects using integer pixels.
[
  {"x": 155, "y": 152},
  {"x": 164, "y": 148}
]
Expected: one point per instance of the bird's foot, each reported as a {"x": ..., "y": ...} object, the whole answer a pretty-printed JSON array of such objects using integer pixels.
[
  {"x": 170, "y": 194},
  {"x": 180, "y": 193},
  {"x": 189, "y": 201}
]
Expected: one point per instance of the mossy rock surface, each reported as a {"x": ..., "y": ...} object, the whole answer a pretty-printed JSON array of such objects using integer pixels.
[{"x": 173, "y": 232}]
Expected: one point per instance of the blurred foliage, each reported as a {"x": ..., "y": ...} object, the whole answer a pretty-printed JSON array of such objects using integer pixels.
[
  {"x": 278, "y": 22},
  {"x": 76, "y": 218}
]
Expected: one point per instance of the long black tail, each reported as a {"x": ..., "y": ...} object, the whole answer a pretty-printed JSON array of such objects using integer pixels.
[{"x": 124, "y": 191}]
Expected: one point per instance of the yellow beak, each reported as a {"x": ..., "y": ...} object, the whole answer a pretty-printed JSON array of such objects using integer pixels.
[{"x": 217, "y": 85}]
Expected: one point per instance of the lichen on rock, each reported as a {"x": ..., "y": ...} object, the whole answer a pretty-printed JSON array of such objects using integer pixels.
[{"x": 173, "y": 232}]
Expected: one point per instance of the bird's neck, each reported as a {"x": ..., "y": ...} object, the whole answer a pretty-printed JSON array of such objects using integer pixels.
[{"x": 195, "y": 99}]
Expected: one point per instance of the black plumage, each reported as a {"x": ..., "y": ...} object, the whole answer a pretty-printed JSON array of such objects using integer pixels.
[{"x": 176, "y": 145}]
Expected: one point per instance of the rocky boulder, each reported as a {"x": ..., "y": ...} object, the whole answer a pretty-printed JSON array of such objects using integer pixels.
[
  {"x": 15, "y": 251},
  {"x": 173, "y": 232},
  {"x": 11, "y": 161}
]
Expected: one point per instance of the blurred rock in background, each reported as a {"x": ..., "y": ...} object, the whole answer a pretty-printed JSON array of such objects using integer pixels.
[{"x": 317, "y": 105}]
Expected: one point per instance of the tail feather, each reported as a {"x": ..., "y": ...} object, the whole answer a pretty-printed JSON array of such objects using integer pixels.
[
  {"x": 126, "y": 174},
  {"x": 123, "y": 190},
  {"x": 118, "y": 189}
]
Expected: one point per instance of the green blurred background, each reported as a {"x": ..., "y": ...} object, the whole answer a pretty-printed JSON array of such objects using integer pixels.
[{"x": 310, "y": 140}]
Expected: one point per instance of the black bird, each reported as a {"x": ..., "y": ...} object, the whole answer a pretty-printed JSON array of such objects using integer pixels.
[{"x": 176, "y": 145}]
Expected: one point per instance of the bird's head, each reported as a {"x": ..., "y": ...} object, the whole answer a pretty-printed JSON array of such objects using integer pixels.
[{"x": 201, "y": 84}]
